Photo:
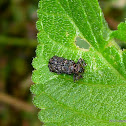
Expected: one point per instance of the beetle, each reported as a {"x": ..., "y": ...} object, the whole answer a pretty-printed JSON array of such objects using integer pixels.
[{"x": 61, "y": 65}]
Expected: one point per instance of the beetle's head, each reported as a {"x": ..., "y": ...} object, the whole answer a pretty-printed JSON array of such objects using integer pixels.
[{"x": 81, "y": 62}]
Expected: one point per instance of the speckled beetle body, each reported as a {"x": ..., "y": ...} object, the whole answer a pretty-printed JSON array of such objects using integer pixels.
[{"x": 61, "y": 65}]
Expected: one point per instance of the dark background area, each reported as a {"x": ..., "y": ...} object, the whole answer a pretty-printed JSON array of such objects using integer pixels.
[{"x": 17, "y": 49}]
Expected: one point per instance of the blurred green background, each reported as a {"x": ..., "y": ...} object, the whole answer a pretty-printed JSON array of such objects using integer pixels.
[{"x": 17, "y": 49}]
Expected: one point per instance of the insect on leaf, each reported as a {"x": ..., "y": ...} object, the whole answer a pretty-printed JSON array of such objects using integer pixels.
[{"x": 97, "y": 99}]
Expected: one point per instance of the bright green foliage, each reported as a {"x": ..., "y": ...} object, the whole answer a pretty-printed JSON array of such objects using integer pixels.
[
  {"x": 124, "y": 57},
  {"x": 101, "y": 95},
  {"x": 120, "y": 33}
]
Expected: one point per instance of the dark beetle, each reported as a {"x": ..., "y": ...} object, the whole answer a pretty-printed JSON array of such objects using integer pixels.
[{"x": 60, "y": 65}]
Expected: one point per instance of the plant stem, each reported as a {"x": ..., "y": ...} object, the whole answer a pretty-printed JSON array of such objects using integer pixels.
[{"x": 16, "y": 103}]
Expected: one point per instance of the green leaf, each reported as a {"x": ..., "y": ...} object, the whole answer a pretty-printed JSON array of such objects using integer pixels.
[
  {"x": 124, "y": 57},
  {"x": 99, "y": 99},
  {"x": 121, "y": 32}
]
